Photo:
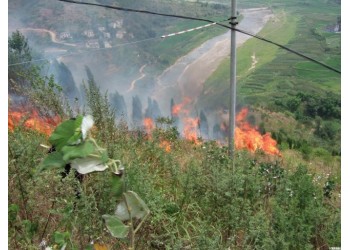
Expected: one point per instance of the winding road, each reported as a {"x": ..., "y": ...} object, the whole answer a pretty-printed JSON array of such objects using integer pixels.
[
  {"x": 52, "y": 34},
  {"x": 132, "y": 85}
]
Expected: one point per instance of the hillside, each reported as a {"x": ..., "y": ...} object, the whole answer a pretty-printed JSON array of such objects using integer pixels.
[
  {"x": 269, "y": 78},
  {"x": 95, "y": 161},
  {"x": 194, "y": 195}
]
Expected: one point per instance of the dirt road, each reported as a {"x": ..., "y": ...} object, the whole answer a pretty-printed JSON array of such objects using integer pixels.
[{"x": 52, "y": 34}]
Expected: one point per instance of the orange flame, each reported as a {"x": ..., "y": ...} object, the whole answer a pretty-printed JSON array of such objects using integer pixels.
[
  {"x": 32, "y": 120},
  {"x": 190, "y": 124},
  {"x": 149, "y": 125},
  {"x": 166, "y": 146},
  {"x": 179, "y": 108},
  {"x": 190, "y": 129},
  {"x": 247, "y": 137}
]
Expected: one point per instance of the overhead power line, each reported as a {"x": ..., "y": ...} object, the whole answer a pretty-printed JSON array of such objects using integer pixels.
[
  {"x": 209, "y": 21},
  {"x": 288, "y": 49},
  {"x": 86, "y": 51},
  {"x": 115, "y": 46},
  {"x": 139, "y": 11}
]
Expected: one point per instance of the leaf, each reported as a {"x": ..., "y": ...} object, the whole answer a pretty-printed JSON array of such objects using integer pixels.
[
  {"x": 78, "y": 151},
  {"x": 88, "y": 164},
  {"x": 52, "y": 160},
  {"x": 13, "y": 209},
  {"x": 67, "y": 133},
  {"x": 138, "y": 208},
  {"x": 116, "y": 226},
  {"x": 61, "y": 238},
  {"x": 116, "y": 186}
]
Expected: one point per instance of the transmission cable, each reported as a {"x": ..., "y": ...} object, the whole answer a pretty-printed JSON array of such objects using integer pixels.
[
  {"x": 209, "y": 21},
  {"x": 288, "y": 49},
  {"x": 139, "y": 11},
  {"x": 85, "y": 51}
]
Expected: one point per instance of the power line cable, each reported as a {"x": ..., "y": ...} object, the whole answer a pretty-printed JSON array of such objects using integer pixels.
[
  {"x": 118, "y": 45},
  {"x": 86, "y": 51},
  {"x": 288, "y": 49},
  {"x": 283, "y": 47},
  {"x": 209, "y": 21},
  {"x": 139, "y": 11}
]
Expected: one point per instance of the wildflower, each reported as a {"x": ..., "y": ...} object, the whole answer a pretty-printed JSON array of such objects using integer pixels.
[{"x": 86, "y": 125}]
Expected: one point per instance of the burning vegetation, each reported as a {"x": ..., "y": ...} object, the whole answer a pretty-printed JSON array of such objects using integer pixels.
[
  {"x": 32, "y": 120},
  {"x": 246, "y": 136}
]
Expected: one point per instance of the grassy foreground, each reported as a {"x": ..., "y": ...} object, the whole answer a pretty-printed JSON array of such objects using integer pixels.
[{"x": 198, "y": 197}]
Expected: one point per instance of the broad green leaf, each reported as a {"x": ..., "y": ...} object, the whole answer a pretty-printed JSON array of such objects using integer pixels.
[
  {"x": 116, "y": 226},
  {"x": 78, "y": 151},
  {"x": 67, "y": 133},
  {"x": 52, "y": 160},
  {"x": 88, "y": 164},
  {"x": 138, "y": 208},
  {"x": 116, "y": 186},
  {"x": 61, "y": 238}
]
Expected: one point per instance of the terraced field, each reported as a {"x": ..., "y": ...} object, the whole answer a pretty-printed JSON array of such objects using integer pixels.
[{"x": 278, "y": 73}]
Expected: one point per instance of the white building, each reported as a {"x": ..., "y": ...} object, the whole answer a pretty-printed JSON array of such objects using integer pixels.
[
  {"x": 107, "y": 44},
  {"x": 120, "y": 34},
  {"x": 93, "y": 44},
  {"x": 101, "y": 29},
  {"x": 65, "y": 35},
  {"x": 89, "y": 33}
]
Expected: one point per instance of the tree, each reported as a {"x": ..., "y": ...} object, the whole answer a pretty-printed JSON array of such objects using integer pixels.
[
  {"x": 203, "y": 124},
  {"x": 19, "y": 60},
  {"x": 18, "y": 48},
  {"x": 65, "y": 78},
  {"x": 118, "y": 103},
  {"x": 152, "y": 110},
  {"x": 136, "y": 111}
]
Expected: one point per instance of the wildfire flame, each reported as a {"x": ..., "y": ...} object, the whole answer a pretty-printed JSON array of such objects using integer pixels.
[
  {"x": 32, "y": 120},
  {"x": 149, "y": 125},
  {"x": 180, "y": 108},
  {"x": 190, "y": 130},
  {"x": 166, "y": 146},
  {"x": 248, "y": 137}
]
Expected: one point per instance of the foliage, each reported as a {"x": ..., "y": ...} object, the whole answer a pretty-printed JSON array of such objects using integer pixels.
[
  {"x": 19, "y": 57},
  {"x": 199, "y": 197},
  {"x": 197, "y": 200}
]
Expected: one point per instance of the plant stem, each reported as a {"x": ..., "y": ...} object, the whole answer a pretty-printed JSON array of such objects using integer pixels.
[
  {"x": 132, "y": 232},
  {"x": 143, "y": 220},
  {"x": 21, "y": 188}
]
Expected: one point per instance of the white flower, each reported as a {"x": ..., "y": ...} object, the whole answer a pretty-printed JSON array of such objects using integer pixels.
[{"x": 86, "y": 125}]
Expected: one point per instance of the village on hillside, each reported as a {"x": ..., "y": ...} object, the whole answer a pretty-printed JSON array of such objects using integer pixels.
[{"x": 100, "y": 36}]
